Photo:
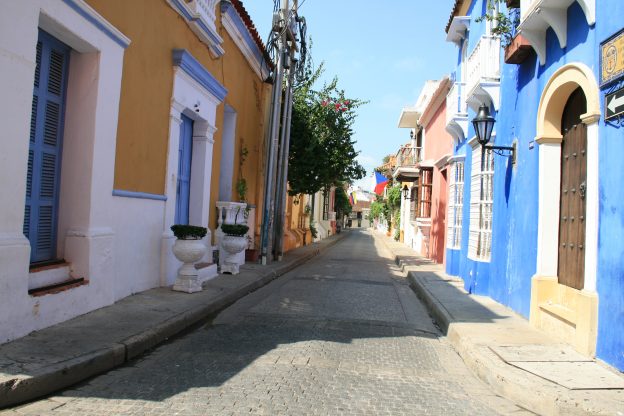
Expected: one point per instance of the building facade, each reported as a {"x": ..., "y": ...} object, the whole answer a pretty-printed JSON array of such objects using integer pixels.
[
  {"x": 423, "y": 174},
  {"x": 541, "y": 234},
  {"x": 134, "y": 125}
]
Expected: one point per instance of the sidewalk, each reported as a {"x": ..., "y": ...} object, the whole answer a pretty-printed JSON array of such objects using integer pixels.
[
  {"x": 519, "y": 362},
  {"x": 64, "y": 354}
]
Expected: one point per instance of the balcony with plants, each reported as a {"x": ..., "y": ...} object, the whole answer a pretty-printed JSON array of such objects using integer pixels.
[{"x": 408, "y": 159}]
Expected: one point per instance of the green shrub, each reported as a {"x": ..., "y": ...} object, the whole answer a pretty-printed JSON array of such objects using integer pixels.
[
  {"x": 313, "y": 230},
  {"x": 237, "y": 230},
  {"x": 188, "y": 232}
]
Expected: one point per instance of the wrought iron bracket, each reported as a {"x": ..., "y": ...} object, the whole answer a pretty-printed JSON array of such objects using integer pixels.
[{"x": 499, "y": 150}]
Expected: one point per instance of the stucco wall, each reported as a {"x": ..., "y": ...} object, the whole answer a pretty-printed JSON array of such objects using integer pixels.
[
  {"x": 439, "y": 144},
  {"x": 611, "y": 211},
  {"x": 516, "y": 200},
  {"x": 143, "y": 132}
]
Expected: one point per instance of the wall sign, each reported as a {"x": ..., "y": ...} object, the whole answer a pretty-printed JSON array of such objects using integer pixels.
[
  {"x": 614, "y": 104},
  {"x": 612, "y": 58}
]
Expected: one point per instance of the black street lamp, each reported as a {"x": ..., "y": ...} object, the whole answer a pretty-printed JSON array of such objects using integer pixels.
[
  {"x": 406, "y": 195},
  {"x": 484, "y": 126}
]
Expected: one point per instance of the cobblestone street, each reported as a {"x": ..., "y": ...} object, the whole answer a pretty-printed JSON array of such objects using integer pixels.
[{"x": 342, "y": 334}]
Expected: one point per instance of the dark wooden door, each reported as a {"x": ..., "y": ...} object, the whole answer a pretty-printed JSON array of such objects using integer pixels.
[{"x": 571, "y": 267}]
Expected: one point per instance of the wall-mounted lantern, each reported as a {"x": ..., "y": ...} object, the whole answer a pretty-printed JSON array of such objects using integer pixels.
[
  {"x": 406, "y": 194},
  {"x": 484, "y": 126}
]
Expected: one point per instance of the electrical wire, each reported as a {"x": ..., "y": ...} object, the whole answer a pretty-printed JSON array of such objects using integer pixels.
[{"x": 272, "y": 38}]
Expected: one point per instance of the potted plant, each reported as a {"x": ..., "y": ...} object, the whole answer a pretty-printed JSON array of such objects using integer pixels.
[
  {"x": 234, "y": 242},
  {"x": 189, "y": 249}
]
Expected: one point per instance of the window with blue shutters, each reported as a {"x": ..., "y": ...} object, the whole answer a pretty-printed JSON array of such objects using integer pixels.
[
  {"x": 44, "y": 153},
  {"x": 185, "y": 155}
]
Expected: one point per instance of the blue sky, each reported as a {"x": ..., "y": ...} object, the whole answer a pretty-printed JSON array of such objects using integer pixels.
[{"x": 381, "y": 52}]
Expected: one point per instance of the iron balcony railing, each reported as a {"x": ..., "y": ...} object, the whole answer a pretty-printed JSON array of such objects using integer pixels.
[{"x": 409, "y": 156}]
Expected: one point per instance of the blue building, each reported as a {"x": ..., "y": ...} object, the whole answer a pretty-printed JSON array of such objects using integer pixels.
[{"x": 542, "y": 234}]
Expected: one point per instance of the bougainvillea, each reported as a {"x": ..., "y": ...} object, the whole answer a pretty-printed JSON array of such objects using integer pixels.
[{"x": 322, "y": 152}]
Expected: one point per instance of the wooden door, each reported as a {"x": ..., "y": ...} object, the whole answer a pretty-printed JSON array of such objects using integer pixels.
[{"x": 571, "y": 266}]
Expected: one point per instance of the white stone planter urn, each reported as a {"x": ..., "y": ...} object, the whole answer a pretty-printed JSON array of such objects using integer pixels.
[
  {"x": 189, "y": 249},
  {"x": 232, "y": 222},
  {"x": 233, "y": 245}
]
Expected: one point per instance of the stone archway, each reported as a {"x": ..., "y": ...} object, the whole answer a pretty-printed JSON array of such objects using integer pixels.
[{"x": 567, "y": 312}]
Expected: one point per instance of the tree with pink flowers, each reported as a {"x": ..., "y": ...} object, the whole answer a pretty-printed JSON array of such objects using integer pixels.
[{"x": 322, "y": 152}]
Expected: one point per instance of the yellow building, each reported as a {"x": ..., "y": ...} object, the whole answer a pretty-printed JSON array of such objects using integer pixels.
[{"x": 202, "y": 76}]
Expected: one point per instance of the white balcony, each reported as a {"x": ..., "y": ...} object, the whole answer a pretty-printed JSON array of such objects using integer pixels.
[
  {"x": 536, "y": 16},
  {"x": 456, "y": 111},
  {"x": 407, "y": 160},
  {"x": 483, "y": 73}
]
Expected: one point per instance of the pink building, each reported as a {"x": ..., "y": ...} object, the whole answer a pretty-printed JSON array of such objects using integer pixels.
[{"x": 422, "y": 172}]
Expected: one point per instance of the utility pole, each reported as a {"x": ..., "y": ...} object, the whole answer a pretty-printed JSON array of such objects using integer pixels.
[
  {"x": 282, "y": 175},
  {"x": 285, "y": 43}
]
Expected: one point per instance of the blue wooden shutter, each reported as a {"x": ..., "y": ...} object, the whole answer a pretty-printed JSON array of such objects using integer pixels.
[
  {"x": 185, "y": 155},
  {"x": 44, "y": 154}
]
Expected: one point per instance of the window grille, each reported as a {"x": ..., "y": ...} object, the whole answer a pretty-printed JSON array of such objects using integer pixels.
[
  {"x": 426, "y": 176},
  {"x": 455, "y": 205},
  {"x": 481, "y": 199}
]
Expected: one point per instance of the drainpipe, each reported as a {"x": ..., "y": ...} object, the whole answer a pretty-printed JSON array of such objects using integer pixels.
[
  {"x": 282, "y": 175},
  {"x": 267, "y": 216}
]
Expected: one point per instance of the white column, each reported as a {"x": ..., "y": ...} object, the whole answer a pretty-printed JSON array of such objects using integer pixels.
[
  {"x": 548, "y": 206},
  {"x": 201, "y": 174},
  {"x": 591, "y": 204},
  {"x": 168, "y": 263}
]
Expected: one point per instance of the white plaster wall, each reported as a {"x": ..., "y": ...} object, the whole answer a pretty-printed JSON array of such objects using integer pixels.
[
  {"x": 138, "y": 230},
  {"x": 17, "y": 65},
  {"x": 85, "y": 222}
]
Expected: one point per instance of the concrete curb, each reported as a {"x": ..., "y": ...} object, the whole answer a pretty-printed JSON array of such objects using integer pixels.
[
  {"x": 23, "y": 388},
  {"x": 520, "y": 387}
]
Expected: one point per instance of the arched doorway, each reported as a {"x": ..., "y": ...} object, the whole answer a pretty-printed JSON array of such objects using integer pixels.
[{"x": 564, "y": 301}]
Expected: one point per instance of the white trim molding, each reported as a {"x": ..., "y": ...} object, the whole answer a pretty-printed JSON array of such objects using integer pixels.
[
  {"x": 98, "y": 21},
  {"x": 554, "y": 97},
  {"x": 538, "y": 15},
  {"x": 239, "y": 33},
  {"x": 200, "y": 16},
  {"x": 457, "y": 30},
  {"x": 199, "y": 101}
]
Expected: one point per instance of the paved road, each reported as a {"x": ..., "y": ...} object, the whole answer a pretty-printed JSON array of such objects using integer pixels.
[{"x": 342, "y": 334}]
